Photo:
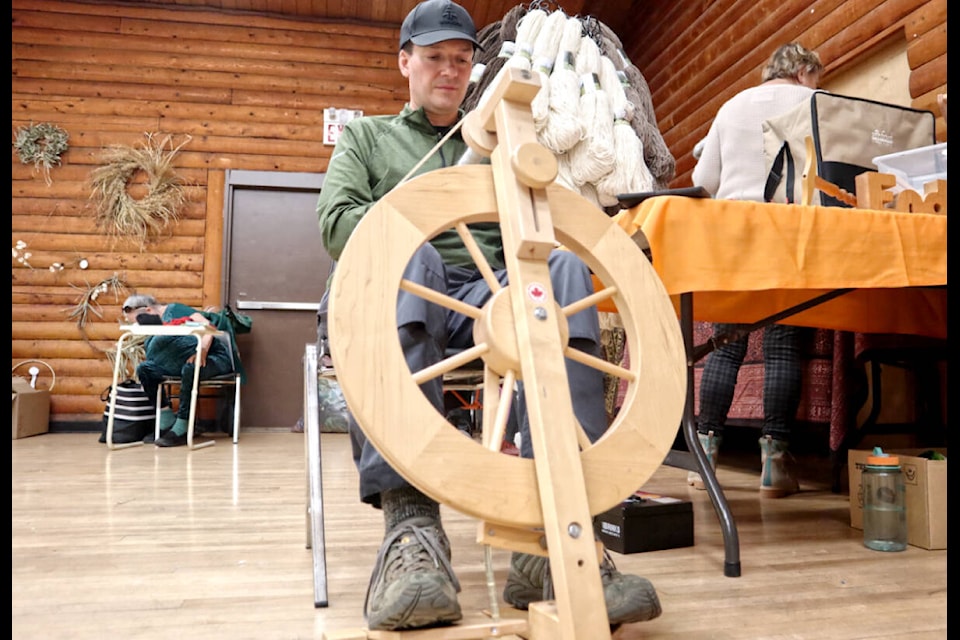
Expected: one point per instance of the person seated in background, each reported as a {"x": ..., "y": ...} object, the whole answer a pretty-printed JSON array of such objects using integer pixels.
[
  {"x": 731, "y": 167},
  {"x": 174, "y": 356}
]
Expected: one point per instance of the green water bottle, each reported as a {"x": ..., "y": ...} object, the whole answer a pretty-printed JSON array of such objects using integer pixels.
[{"x": 884, "y": 503}]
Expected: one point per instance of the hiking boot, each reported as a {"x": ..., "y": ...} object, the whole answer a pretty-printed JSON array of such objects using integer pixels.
[
  {"x": 710, "y": 443},
  {"x": 413, "y": 584},
  {"x": 776, "y": 478},
  {"x": 628, "y": 598}
]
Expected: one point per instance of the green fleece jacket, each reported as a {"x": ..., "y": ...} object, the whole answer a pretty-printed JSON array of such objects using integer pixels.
[{"x": 373, "y": 154}]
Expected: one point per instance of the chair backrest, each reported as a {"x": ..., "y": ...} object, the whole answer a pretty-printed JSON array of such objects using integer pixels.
[{"x": 224, "y": 338}]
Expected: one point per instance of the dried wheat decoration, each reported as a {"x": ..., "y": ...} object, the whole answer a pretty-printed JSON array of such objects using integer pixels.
[{"x": 119, "y": 214}]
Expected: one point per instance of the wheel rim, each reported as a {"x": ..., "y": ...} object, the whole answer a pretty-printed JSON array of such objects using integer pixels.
[{"x": 426, "y": 449}]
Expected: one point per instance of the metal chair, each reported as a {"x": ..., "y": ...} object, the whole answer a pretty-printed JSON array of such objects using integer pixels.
[{"x": 232, "y": 379}]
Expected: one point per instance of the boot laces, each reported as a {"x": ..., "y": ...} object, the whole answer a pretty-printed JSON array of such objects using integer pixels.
[{"x": 410, "y": 548}]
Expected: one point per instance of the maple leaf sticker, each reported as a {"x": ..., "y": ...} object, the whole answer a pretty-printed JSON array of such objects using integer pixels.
[{"x": 537, "y": 292}]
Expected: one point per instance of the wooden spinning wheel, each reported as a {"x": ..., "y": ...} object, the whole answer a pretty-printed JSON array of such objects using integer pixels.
[{"x": 521, "y": 333}]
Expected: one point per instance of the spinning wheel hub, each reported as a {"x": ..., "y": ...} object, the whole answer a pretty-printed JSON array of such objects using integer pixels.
[{"x": 498, "y": 330}]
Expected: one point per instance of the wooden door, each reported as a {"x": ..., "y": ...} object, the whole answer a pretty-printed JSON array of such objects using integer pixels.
[{"x": 276, "y": 272}]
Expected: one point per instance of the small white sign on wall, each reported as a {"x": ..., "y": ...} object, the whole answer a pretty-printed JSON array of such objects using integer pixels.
[{"x": 333, "y": 121}]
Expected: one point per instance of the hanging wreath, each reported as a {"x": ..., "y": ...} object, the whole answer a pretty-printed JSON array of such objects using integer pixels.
[
  {"x": 118, "y": 212},
  {"x": 41, "y": 145}
]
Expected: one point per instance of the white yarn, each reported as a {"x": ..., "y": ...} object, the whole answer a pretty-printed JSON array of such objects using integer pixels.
[
  {"x": 564, "y": 176},
  {"x": 527, "y": 29},
  {"x": 544, "y": 56},
  {"x": 563, "y": 129},
  {"x": 590, "y": 193},
  {"x": 612, "y": 82},
  {"x": 630, "y": 173},
  {"x": 595, "y": 155}
]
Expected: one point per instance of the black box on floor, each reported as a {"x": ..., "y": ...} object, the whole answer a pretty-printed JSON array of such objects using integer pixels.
[{"x": 646, "y": 522}]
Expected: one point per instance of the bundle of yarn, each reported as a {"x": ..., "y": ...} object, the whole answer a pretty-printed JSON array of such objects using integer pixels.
[{"x": 593, "y": 110}]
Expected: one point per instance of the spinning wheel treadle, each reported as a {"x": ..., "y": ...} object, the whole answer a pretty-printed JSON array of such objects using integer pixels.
[{"x": 518, "y": 336}]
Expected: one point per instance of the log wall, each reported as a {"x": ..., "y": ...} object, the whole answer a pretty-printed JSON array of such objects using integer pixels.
[
  {"x": 250, "y": 95},
  {"x": 697, "y": 54},
  {"x": 248, "y": 92}
]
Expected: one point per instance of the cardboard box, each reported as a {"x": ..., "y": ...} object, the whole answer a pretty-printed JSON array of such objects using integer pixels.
[
  {"x": 31, "y": 409},
  {"x": 926, "y": 484},
  {"x": 646, "y": 522}
]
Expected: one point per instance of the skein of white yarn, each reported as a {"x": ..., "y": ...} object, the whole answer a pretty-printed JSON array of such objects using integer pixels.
[
  {"x": 544, "y": 55},
  {"x": 527, "y": 29},
  {"x": 595, "y": 155},
  {"x": 611, "y": 82},
  {"x": 562, "y": 129},
  {"x": 630, "y": 174}
]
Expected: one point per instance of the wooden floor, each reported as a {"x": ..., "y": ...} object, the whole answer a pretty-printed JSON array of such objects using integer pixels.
[{"x": 149, "y": 543}]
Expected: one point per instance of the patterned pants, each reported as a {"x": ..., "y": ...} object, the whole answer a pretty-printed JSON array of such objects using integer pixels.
[{"x": 782, "y": 377}]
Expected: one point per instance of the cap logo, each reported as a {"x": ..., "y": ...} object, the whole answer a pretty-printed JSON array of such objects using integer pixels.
[{"x": 450, "y": 18}]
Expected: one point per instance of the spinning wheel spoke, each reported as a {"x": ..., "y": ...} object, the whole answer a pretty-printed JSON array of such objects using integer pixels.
[
  {"x": 589, "y": 301},
  {"x": 441, "y": 299},
  {"x": 600, "y": 363},
  {"x": 499, "y": 395},
  {"x": 449, "y": 364},
  {"x": 478, "y": 258}
]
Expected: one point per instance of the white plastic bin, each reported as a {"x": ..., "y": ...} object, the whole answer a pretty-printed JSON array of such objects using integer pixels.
[{"x": 916, "y": 167}]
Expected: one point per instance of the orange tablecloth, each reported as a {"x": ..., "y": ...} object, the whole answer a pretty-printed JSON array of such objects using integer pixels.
[{"x": 745, "y": 261}]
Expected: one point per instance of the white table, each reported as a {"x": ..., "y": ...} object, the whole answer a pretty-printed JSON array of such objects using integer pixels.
[{"x": 186, "y": 329}]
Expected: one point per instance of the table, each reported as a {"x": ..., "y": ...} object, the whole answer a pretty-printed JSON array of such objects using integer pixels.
[
  {"x": 186, "y": 329},
  {"x": 870, "y": 271}
]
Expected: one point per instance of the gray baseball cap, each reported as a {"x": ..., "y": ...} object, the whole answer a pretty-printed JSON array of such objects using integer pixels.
[{"x": 434, "y": 21}]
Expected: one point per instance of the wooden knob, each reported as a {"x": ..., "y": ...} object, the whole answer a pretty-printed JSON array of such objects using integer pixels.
[{"x": 534, "y": 165}]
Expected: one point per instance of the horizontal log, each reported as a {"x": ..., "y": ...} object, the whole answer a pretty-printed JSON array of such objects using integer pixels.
[
  {"x": 68, "y": 211},
  {"x": 380, "y": 54},
  {"x": 80, "y": 173},
  {"x": 71, "y": 408},
  {"x": 67, "y": 297},
  {"x": 318, "y": 102},
  {"x": 928, "y": 15},
  {"x": 85, "y": 243},
  {"x": 317, "y": 34},
  {"x": 27, "y": 312},
  {"x": 180, "y": 64},
  {"x": 107, "y": 329},
  {"x": 94, "y": 133},
  {"x": 44, "y": 349},
  {"x": 185, "y": 16},
  {"x": 66, "y": 367},
  {"x": 336, "y": 89},
  {"x": 48, "y": 109},
  {"x": 82, "y": 190},
  {"x": 53, "y": 87},
  {"x": 87, "y": 224},
  {"x": 91, "y": 386},
  {"x": 928, "y": 76},
  {"x": 927, "y": 46},
  {"x": 139, "y": 279},
  {"x": 151, "y": 261}
]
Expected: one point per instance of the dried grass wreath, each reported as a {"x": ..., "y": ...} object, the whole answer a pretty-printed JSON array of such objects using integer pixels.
[
  {"x": 118, "y": 212},
  {"x": 41, "y": 145}
]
